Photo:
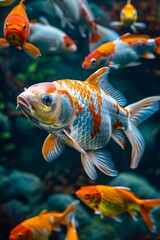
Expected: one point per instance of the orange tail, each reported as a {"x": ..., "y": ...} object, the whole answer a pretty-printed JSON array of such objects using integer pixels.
[
  {"x": 157, "y": 41},
  {"x": 149, "y": 205}
]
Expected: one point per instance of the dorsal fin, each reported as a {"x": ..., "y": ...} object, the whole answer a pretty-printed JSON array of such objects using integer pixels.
[
  {"x": 43, "y": 212},
  {"x": 131, "y": 36},
  {"x": 100, "y": 79}
]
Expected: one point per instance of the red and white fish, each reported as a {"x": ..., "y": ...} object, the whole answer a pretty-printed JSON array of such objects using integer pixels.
[
  {"x": 17, "y": 31},
  {"x": 123, "y": 52},
  {"x": 85, "y": 115},
  {"x": 49, "y": 38},
  {"x": 40, "y": 227},
  {"x": 112, "y": 201},
  {"x": 79, "y": 13},
  {"x": 128, "y": 18}
]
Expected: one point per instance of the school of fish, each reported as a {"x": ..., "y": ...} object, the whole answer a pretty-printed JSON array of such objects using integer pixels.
[{"x": 84, "y": 114}]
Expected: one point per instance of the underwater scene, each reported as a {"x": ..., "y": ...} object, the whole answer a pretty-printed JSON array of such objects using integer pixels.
[{"x": 79, "y": 120}]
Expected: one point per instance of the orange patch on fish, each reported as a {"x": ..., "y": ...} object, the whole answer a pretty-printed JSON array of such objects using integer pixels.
[
  {"x": 96, "y": 116},
  {"x": 117, "y": 124},
  {"x": 117, "y": 107},
  {"x": 107, "y": 48},
  {"x": 129, "y": 38}
]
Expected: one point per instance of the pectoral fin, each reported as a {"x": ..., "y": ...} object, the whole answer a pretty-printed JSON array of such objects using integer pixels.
[
  {"x": 148, "y": 55},
  {"x": 4, "y": 43},
  {"x": 52, "y": 148},
  {"x": 31, "y": 50},
  {"x": 119, "y": 138}
]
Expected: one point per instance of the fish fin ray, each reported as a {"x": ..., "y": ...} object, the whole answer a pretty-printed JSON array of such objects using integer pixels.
[
  {"x": 73, "y": 143},
  {"x": 149, "y": 205},
  {"x": 103, "y": 161},
  {"x": 52, "y": 148},
  {"x": 149, "y": 55},
  {"x": 133, "y": 215},
  {"x": 100, "y": 79},
  {"x": 31, "y": 50},
  {"x": 119, "y": 138},
  {"x": 138, "y": 145},
  {"x": 133, "y": 64},
  {"x": 142, "y": 110},
  {"x": 117, "y": 219},
  {"x": 88, "y": 166}
]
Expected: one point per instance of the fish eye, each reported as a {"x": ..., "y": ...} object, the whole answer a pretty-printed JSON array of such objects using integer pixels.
[
  {"x": 24, "y": 26},
  {"x": 87, "y": 196},
  {"x": 20, "y": 236},
  {"x": 93, "y": 61},
  {"x": 47, "y": 99}
]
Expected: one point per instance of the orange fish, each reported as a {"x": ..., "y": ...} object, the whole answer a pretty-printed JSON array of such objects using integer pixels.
[
  {"x": 112, "y": 201},
  {"x": 40, "y": 227},
  {"x": 17, "y": 30},
  {"x": 4, "y": 3}
]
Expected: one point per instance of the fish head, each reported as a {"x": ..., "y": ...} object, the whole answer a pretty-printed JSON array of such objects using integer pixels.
[
  {"x": 128, "y": 14},
  {"x": 90, "y": 195},
  {"x": 16, "y": 30},
  {"x": 94, "y": 60},
  {"x": 68, "y": 44},
  {"x": 20, "y": 232},
  {"x": 47, "y": 106}
]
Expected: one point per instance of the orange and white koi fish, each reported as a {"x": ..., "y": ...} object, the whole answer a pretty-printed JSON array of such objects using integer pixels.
[
  {"x": 128, "y": 18},
  {"x": 85, "y": 115},
  {"x": 49, "y": 38},
  {"x": 40, "y": 227},
  {"x": 112, "y": 201},
  {"x": 4, "y": 3},
  {"x": 17, "y": 31},
  {"x": 123, "y": 52}
]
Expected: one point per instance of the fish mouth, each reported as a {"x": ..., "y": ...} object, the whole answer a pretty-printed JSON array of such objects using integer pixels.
[{"x": 27, "y": 108}]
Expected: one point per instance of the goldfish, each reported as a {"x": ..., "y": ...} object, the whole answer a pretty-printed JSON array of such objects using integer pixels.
[
  {"x": 79, "y": 13},
  {"x": 50, "y": 38},
  {"x": 16, "y": 31},
  {"x": 113, "y": 200},
  {"x": 85, "y": 115},
  {"x": 40, "y": 227},
  {"x": 128, "y": 18},
  {"x": 123, "y": 52},
  {"x": 4, "y": 3}
]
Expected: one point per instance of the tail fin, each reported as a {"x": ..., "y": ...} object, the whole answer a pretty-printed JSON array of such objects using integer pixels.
[
  {"x": 157, "y": 41},
  {"x": 140, "y": 111},
  {"x": 68, "y": 211},
  {"x": 99, "y": 35},
  {"x": 149, "y": 205}
]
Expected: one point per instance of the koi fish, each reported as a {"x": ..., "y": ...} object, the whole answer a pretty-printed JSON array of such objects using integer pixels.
[
  {"x": 123, "y": 52},
  {"x": 85, "y": 115},
  {"x": 112, "y": 201},
  {"x": 40, "y": 227},
  {"x": 79, "y": 13},
  {"x": 50, "y": 38},
  {"x": 17, "y": 31},
  {"x": 4, "y": 3},
  {"x": 128, "y": 18}
]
